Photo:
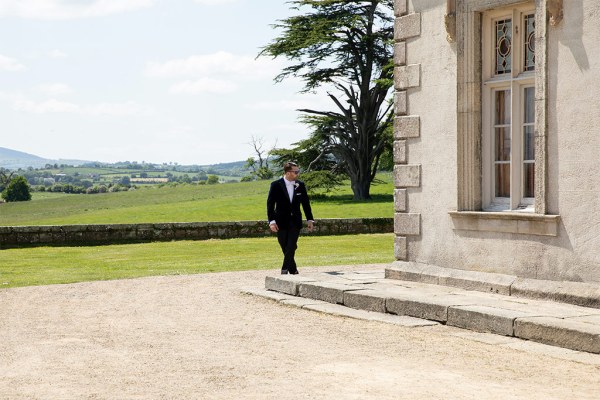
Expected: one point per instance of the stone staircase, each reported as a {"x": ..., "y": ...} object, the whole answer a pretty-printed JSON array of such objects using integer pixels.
[{"x": 564, "y": 314}]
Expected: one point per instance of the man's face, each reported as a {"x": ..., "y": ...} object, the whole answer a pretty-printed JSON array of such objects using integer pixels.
[{"x": 292, "y": 175}]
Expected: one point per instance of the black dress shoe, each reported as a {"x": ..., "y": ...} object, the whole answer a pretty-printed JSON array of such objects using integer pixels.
[
  {"x": 284, "y": 272},
  {"x": 294, "y": 272}
]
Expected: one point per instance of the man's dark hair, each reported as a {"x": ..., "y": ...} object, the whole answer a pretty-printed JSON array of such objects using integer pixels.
[{"x": 287, "y": 167}]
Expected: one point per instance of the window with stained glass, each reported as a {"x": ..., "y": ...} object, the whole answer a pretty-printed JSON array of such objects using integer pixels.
[
  {"x": 529, "y": 43},
  {"x": 503, "y": 46},
  {"x": 508, "y": 141}
]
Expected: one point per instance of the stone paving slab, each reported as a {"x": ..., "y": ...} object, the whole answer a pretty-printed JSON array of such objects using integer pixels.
[
  {"x": 433, "y": 307},
  {"x": 484, "y": 319},
  {"x": 363, "y": 277},
  {"x": 288, "y": 285},
  {"x": 269, "y": 294},
  {"x": 330, "y": 292},
  {"x": 548, "y": 308},
  {"x": 336, "y": 309},
  {"x": 369, "y": 300},
  {"x": 577, "y": 293},
  {"x": 403, "y": 286},
  {"x": 560, "y": 332},
  {"x": 564, "y": 325},
  {"x": 402, "y": 320},
  {"x": 470, "y": 280}
]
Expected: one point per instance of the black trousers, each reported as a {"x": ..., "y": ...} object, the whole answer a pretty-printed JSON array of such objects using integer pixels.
[{"x": 288, "y": 240}]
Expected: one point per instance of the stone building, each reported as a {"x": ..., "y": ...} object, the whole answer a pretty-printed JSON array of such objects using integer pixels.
[{"x": 497, "y": 136}]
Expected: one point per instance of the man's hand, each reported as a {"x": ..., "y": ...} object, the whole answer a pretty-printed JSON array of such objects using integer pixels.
[
  {"x": 311, "y": 226},
  {"x": 274, "y": 227}
]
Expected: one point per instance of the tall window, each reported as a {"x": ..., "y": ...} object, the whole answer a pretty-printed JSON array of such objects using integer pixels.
[{"x": 508, "y": 117}]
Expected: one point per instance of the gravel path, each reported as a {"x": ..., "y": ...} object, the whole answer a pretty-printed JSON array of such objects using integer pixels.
[{"x": 198, "y": 337}]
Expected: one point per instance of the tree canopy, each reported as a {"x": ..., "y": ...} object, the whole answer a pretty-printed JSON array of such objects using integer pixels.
[
  {"x": 17, "y": 190},
  {"x": 345, "y": 47}
]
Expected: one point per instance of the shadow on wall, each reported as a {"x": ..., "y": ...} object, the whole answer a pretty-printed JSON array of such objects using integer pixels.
[
  {"x": 569, "y": 33},
  {"x": 572, "y": 37}
]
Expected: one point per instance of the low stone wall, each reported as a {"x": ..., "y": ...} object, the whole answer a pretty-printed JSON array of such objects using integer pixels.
[{"x": 17, "y": 236}]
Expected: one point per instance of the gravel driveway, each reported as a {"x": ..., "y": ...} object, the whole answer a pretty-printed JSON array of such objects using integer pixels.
[{"x": 198, "y": 337}]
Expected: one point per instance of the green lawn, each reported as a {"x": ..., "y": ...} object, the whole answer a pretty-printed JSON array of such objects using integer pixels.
[
  {"x": 183, "y": 203},
  {"x": 58, "y": 265}
]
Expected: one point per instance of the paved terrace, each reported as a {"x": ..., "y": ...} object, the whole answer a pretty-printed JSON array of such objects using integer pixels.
[{"x": 398, "y": 295}]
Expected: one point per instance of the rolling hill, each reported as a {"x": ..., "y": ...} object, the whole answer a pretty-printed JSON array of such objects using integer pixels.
[{"x": 13, "y": 159}]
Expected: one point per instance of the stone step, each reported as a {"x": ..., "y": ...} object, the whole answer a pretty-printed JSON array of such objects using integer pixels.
[
  {"x": 559, "y": 324},
  {"x": 340, "y": 310},
  {"x": 578, "y": 293}
]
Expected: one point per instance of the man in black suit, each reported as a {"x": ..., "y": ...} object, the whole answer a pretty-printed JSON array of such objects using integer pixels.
[{"x": 285, "y": 218}]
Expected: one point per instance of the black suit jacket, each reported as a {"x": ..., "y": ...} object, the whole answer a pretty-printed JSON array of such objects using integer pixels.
[{"x": 281, "y": 210}]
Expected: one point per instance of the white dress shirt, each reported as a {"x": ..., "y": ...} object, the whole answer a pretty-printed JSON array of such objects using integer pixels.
[{"x": 290, "y": 188}]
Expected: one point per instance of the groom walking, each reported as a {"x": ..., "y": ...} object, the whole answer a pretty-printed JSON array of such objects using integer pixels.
[{"x": 285, "y": 218}]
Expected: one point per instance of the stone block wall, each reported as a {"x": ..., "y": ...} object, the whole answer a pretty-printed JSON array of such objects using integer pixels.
[
  {"x": 16, "y": 236},
  {"x": 407, "y": 128}
]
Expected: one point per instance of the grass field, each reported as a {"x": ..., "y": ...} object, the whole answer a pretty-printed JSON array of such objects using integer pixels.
[
  {"x": 58, "y": 265},
  {"x": 183, "y": 203}
]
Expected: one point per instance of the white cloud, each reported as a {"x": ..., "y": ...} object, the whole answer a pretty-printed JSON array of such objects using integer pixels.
[
  {"x": 65, "y": 9},
  {"x": 10, "y": 64},
  {"x": 221, "y": 63},
  {"x": 55, "y": 89},
  {"x": 56, "y": 106},
  {"x": 57, "y": 54},
  {"x": 118, "y": 109},
  {"x": 203, "y": 85},
  {"x": 48, "y": 106}
]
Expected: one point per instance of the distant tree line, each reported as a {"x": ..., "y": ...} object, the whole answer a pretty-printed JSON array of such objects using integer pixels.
[{"x": 18, "y": 185}]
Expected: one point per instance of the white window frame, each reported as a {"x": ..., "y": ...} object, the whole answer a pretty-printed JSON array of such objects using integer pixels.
[
  {"x": 469, "y": 214},
  {"x": 516, "y": 81}
]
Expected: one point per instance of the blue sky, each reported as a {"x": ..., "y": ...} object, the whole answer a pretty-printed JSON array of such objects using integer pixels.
[{"x": 144, "y": 80}]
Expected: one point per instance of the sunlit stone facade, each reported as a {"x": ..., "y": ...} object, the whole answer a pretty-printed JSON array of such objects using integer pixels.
[{"x": 497, "y": 145}]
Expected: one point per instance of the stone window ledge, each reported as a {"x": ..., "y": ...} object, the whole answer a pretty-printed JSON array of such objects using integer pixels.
[{"x": 506, "y": 222}]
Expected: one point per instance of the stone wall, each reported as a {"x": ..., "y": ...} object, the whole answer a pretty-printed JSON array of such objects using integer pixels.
[
  {"x": 14, "y": 236},
  {"x": 407, "y": 131},
  {"x": 442, "y": 117}
]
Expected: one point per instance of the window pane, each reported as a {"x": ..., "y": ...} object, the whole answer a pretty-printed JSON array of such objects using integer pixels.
[
  {"x": 502, "y": 180},
  {"x": 502, "y": 144},
  {"x": 502, "y": 107},
  {"x": 503, "y": 46},
  {"x": 528, "y": 180},
  {"x": 528, "y": 144},
  {"x": 529, "y": 105},
  {"x": 529, "y": 43}
]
